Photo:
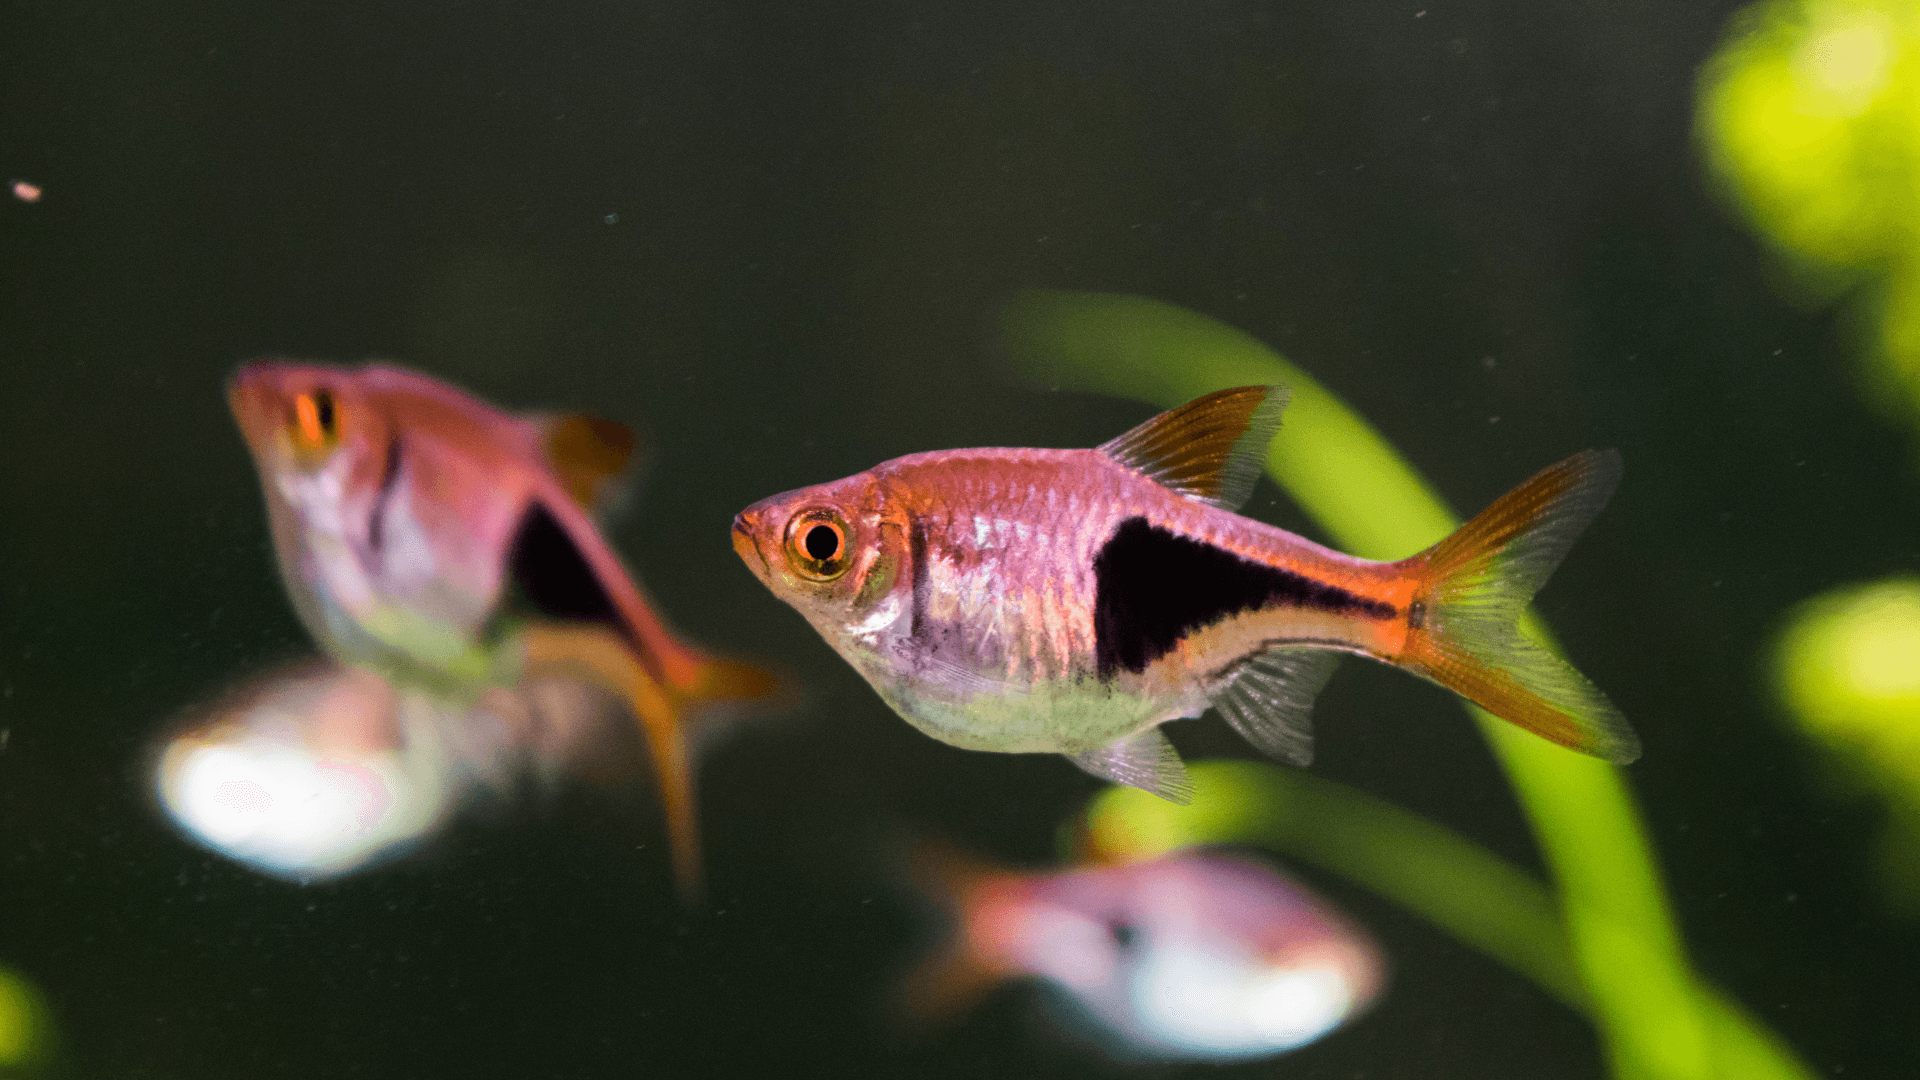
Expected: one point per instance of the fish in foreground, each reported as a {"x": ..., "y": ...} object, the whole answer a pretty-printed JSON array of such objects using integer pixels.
[
  {"x": 449, "y": 548},
  {"x": 1194, "y": 956},
  {"x": 1071, "y": 601}
]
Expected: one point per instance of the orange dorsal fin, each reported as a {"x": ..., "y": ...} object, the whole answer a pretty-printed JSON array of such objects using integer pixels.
[
  {"x": 1209, "y": 449},
  {"x": 588, "y": 455}
]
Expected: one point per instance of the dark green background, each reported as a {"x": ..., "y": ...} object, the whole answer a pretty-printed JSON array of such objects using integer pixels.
[{"x": 1485, "y": 224}]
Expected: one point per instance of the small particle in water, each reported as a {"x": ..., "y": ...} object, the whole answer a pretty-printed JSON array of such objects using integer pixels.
[
  {"x": 26, "y": 191},
  {"x": 612, "y": 219}
]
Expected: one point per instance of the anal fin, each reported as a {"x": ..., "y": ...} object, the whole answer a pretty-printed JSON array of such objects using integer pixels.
[
  {"x": 1145, "y": 760},
  {"x": 1269, "y": 700}
]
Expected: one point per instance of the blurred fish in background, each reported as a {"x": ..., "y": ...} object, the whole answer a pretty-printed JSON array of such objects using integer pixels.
[
  {"x": 444, "y": 554},
  {"x": 324, "y": 769},
  {"x": 1193, "y": 956}
]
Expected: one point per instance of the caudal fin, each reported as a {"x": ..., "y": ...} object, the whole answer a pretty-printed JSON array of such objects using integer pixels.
[
  {"x": 958, "y": 971},
  {"x": 674, "y": 720},
  {"x": 1465, "y": 632},
  {"x": 677, "y": 723}
]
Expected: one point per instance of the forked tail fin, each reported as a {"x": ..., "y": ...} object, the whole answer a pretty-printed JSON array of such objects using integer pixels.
[
  {"x": 677, "y": 723},
  {"x": 1465, "y": 632},
  {"x": 673, "y": 720}
]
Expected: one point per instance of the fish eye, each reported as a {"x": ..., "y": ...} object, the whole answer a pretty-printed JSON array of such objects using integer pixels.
[
  {"x": 822, "y": 542},
  {"x": 817, "y": 544},
  {"x": 316, "y": 421}
]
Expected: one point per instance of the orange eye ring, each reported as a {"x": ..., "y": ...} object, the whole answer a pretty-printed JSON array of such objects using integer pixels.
[
  {"x": 817, "y": 547},
  {"x": 316, "y": 421}
]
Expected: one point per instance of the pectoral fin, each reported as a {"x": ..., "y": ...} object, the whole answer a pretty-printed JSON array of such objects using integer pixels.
[
  {"x": 1145, "y": 760},
  {"x": 1269, "y": 700}
]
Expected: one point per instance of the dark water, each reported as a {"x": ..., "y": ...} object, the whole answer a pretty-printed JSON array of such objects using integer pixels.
[{"x": 772, "y": 236}]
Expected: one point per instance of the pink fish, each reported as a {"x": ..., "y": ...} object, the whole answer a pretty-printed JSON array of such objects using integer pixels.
[
  {"x": 1192, "y": 956},
  {"x": 1071, "y": 601},
  {"x": 448, "y": 547}
]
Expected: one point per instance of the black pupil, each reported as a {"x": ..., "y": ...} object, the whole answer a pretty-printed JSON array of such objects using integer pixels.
[
  {"x": 323, "y": 410},
  {"x": 822, "y": 543},
  {"x": 1123, "y": 933}
]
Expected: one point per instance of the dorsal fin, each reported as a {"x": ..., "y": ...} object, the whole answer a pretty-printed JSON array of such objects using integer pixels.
[
  {"x": 1209, "y": 449},
  {"x": 588, "y": 454}
]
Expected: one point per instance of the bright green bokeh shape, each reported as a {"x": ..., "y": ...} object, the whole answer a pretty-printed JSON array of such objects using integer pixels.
[
  {"x": 23, "y": 1024},
  {"x": 1650, "y": 1011},
  {"x": 1806, "y": 113},
  {"x": 1847, "y": 668},
  {"x": 1809, "y": 116}
]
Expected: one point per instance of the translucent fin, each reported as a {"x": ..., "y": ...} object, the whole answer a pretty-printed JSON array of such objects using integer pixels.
[
  {"x": 1465, "y": 631},
  {"x": 1269, "y": 700},
  {"x": 1209, "y": 449},
  {"x": 958, "y": 973},
  {"x": 1145, "y": 760},
  {"x": 730, "y": 690},
  {"x": 602, "y": 657},
  {"x": 588, "y": 456}
]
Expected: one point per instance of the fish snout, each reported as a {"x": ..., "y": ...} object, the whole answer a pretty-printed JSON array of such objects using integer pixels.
[{"x": 745, "y": 528}]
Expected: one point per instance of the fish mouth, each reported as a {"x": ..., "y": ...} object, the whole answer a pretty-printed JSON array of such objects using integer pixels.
[{"x": 747, "y": 549}]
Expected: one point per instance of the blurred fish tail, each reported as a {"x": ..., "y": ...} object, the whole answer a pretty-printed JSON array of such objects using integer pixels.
[
  {"x": 680, "y": 724},
  {"x": 1464, "y": 628},
  {"x": 673, "y": 717},
  {"x": 962, "y": 968},
  {"x": 725, "y": 690}
]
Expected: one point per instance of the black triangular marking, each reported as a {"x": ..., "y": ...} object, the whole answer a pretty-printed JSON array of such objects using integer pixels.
[
  {"x": 551, "y": 575},
  {"x": 1153, "y": 587}
]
